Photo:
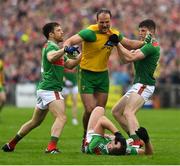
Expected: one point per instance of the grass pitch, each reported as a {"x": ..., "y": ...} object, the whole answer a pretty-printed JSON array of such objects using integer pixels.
[{"x": 163, "y": 127}]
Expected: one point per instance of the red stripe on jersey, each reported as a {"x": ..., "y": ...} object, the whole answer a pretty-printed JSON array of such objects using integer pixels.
[
  {"x": 155, "y": 44},
  {"x": 57, "y": 95},
  {"x": 140, "y": 91},
  {"x": 59, "y": 62},
  {"x": 45, "y": 45}
]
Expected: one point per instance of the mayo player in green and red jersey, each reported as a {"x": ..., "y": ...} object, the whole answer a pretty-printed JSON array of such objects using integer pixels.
[
  {"x": 145, "y": 62},
  {"x": 99, "y": 143},
  {"x": 93, "y": 73},
  {"x": 49, "y": 97}
]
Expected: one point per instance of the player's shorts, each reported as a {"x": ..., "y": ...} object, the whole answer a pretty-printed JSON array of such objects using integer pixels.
[
  {"x": 146, "y": 91},
  {"x": 70, "y": 90},
  {"x": 91, "y": 82},
  {"x": 44, "y": 97}
]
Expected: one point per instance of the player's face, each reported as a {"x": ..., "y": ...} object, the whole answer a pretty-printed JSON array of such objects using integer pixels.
[
  {"x": 112, "y": 145},
  {"x": 142, "y": 33},
  {"x": 58, "y": 34},
  {"x": 104, "y": 22}
]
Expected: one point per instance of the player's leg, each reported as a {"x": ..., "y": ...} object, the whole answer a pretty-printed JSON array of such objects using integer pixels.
[
  {"x": 138, "y": 94},
  {"x": 89, "y": 103},
  {"x": 96, "y": 114},
  {"x": 74, "y": 105},
  {"x": 57, "y": 107},
  {"x": 134, "y": 102},
  {"x": 117, "y": 112},
  {"x": 37, "y": 118}
]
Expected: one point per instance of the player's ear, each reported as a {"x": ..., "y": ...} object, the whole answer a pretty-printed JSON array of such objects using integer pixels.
[{"x": 50, "y": 34}]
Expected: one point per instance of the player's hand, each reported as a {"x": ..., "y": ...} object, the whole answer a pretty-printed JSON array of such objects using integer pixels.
[
  {"x": 112, "y": 41},
  {"x": 119, "y": 137},
  {"x": 71, "y": 49},
  {"x": 148, "y": 38},
  {"x": 143, "y": 134}
]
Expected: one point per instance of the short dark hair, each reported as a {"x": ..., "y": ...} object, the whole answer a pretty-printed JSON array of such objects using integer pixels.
[
  {"x": 103, "y": 10},
  {"x": 121, "y": 150},
  {"x": 49, "y": 27},
  {"x": 148, "y": 23}
]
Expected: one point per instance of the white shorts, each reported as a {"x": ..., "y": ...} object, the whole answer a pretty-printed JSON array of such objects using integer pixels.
[
  {"x": 146, "y": 91},
  {"x": 44, "y": 97},
  {"x": 88, "y": 138},
  {"x": 70, "y": 90}
]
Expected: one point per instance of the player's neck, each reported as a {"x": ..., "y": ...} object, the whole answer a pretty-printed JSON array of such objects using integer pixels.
[{"x": 52, "y": 40}]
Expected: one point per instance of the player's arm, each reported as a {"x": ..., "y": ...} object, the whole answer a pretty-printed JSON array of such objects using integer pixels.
[
  {"x": 143, "y": 134},
  {"x": 71, "y": 63},
  {"x": 129, "y": 56},
  {"x": 104, "y": 123},
  {"x": 148, "y": 148},
  {"x": 73, "y": 40},
  {"x": 131, "y": 44},
  {"x": 84, "y": 35},
  {"x": 54, "y": 55}
]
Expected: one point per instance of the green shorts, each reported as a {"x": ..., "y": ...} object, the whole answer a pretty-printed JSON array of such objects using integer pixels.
[{"x": 91, "y": 82}]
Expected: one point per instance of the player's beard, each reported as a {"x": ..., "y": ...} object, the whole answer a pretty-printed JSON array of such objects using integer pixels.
[{"x": 105, "y": 29}]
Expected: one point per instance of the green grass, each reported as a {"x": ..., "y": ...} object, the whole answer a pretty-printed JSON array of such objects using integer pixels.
[{"x": 163, "y": 126}]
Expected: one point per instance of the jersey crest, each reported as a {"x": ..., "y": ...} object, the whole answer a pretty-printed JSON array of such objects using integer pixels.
[{"x": 155, "y": 44}]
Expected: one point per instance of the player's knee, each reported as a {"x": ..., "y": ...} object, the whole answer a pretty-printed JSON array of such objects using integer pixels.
[
  {"x": 62, "y": 118},
  {"x": 114, "y": 112},
  {"x": 89, "y": 109},
  {"x": 99, "y": 108},
  {"x": 127, "y": 114}
]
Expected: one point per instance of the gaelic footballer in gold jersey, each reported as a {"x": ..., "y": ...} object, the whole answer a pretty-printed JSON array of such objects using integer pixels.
[{"x": 93, "y": 74}]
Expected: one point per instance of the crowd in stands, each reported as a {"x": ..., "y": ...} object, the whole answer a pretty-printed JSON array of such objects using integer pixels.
[{"x": 21, "y": 39}]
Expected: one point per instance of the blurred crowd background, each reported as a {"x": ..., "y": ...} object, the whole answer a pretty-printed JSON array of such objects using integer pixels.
[{"x": 21, "y": 39}]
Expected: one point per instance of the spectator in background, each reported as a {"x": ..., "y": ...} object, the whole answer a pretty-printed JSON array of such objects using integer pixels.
[
  {"x": 71, "y": 89},
  {"x": 20, "y": 32}
]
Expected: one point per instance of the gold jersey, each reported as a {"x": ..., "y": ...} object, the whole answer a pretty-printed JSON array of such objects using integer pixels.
[{"x": 95, "y": 55}]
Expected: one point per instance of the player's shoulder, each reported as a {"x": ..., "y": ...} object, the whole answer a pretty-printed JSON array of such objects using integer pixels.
[
  {"x": 114, "y": 31},
  {"x": 52, "y": 45},
  {"x": 155, "y": 43},
  {"x": 93, "y": 27}
]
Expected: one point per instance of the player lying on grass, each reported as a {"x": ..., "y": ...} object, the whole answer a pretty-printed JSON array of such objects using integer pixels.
[{"x": 97, "y": 142}]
